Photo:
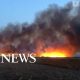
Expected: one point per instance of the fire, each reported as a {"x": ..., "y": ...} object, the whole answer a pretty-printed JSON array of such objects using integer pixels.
[
  {"x": 53, "y": 54},
  {"x": 50, "y": 52}
]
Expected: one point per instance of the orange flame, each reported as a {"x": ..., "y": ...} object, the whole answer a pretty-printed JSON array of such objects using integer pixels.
[
  {"x": 50, "y": 52},
  {"x": 53, "y": 54}
]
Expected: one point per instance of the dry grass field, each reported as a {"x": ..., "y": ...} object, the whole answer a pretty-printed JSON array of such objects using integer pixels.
[{"x": 43, "y": 69}]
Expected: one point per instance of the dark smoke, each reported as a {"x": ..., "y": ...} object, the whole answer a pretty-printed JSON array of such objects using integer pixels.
[{"x": 55, "y": 26}]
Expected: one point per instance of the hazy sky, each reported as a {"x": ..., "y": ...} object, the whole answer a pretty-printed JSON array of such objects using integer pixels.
[{"x": 23, "y": 10}]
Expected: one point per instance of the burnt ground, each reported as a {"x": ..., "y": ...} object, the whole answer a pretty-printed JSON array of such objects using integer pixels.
[{"x": 44, "y": 69}]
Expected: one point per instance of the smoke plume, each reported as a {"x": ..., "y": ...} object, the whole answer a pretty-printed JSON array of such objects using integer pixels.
[{"x": 56, "y": 26}]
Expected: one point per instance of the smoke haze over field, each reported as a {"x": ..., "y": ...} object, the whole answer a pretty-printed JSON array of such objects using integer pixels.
[{"x": 56, "y": 26}]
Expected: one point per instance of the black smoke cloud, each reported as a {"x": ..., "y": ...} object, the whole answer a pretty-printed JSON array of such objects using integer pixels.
[{"x": 55, "y": 26}]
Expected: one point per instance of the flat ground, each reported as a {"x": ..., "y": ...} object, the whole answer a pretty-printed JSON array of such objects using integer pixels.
[{"x": 44, "y": 69}]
